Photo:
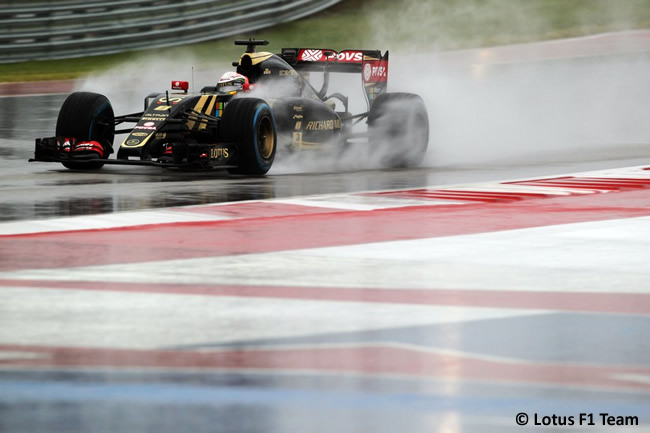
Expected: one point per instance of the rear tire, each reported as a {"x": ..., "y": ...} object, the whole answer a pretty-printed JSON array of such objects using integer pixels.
[
  {"x": 398, "y": 124},
  {"x": 87, "y": 116},
  {"x": 249, "y": 123}
]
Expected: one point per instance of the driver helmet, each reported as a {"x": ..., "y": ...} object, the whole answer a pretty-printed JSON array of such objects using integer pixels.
[{"x": 232, "y": 82}]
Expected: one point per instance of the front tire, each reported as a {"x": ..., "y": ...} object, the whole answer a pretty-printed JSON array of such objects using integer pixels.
[
  {"x": 249, "y": 123},
  {"x": 87, "y": 116},
  {"x": 398, "y": 124}
]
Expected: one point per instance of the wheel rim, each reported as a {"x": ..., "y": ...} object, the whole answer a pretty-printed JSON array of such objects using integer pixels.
[{"x": 265, "y": 137}]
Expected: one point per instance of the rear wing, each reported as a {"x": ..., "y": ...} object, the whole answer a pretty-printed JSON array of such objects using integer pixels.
[{"x": 371, "y": 64}]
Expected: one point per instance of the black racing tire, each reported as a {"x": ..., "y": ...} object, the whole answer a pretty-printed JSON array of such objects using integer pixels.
[
  {"x": 249, "y": 123},
  {"x": 398, "y": 124},
  {"x": 87, "y": 116}
]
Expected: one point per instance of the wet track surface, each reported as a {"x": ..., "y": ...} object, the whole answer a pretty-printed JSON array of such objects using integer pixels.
[
  {"x": 47, "y": 190},
  {"x": 314, "y": 313}
]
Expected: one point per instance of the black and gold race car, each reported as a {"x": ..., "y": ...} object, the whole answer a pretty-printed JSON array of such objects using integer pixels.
[{"x": 240, "y": 123}]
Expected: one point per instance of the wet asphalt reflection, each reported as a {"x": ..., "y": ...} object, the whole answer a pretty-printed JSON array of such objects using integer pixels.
[{"x": 47, "y": 190}]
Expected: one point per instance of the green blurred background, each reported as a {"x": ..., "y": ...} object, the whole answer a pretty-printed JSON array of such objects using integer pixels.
[{"x": 407, "y": 25}]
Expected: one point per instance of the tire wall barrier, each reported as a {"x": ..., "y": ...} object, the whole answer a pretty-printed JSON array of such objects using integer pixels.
[{"x": 56, "y": 29}]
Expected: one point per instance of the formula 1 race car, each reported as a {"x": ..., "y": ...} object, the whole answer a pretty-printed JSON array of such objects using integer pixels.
[{"x": 240, "y": 123}]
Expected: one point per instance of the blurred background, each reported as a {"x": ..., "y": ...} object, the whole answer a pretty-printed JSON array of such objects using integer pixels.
[{"x": 36, "y": 34}]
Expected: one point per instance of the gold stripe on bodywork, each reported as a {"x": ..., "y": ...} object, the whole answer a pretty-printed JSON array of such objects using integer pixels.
[
  {"x": 256, "y": 57},
  {"x": 208, "y": 110},
  {"x": 199, "y": 108}
]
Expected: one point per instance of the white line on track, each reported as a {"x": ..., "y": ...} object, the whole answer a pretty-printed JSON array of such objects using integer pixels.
[{"x": 362, "y": 201}]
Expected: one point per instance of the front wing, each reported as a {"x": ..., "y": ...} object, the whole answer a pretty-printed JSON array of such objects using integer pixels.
[{"x": 184, "y": 155}]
